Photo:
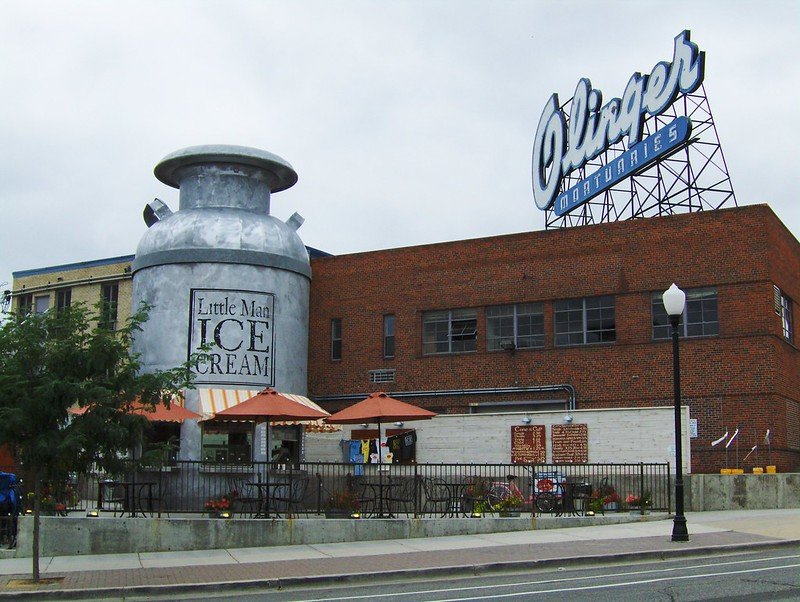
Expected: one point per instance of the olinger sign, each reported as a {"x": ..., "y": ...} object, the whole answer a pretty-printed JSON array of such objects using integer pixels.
[{"x": 559, "y": 149}]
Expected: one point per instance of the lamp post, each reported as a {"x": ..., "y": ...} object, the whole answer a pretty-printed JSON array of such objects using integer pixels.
[{"x": 674, "y": 302}]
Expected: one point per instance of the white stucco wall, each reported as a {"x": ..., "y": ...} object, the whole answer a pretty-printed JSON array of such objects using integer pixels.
[{"x": 627, "y": 435}]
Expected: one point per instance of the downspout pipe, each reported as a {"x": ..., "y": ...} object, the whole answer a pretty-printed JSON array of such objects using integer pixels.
[{"x": 569, "y": 389}]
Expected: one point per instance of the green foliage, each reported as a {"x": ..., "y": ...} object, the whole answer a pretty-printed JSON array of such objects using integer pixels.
[
  {"x": 513, "y": 501},
  {"x": 53, "y": 361}
]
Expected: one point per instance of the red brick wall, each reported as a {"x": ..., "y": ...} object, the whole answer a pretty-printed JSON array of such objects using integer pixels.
[{"x": 746, "y": 377}]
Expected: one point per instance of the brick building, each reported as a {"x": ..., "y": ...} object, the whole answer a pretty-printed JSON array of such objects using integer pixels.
[
  {"x": 567, "y": 318},
  {"x": 574, "y": 316}
]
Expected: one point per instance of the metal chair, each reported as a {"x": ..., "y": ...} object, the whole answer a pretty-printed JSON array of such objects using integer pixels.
[
  {"x": 437, "y": 495},
  {"x": 114, "y": 495},
  {"x": 364, "y": 494},
  {"x": 290, "y": 498},
  {"x": 155, "y": 498},
  {"x": 245, "y": 497},
  {"x": 401, "y": 493}
]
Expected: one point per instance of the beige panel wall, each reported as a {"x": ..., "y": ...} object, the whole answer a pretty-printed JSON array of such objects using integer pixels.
[
  {"x": 85, "y": 282},
  {"x": 615, "y": 435}
]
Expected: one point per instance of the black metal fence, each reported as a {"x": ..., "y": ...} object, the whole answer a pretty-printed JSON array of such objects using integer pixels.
[{"x": 317, "y": 488}]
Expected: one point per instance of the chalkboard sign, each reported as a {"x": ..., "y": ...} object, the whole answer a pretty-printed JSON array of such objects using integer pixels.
[
  {"x": 528, "y": 444},
  {"x": 570, "y": 443}
]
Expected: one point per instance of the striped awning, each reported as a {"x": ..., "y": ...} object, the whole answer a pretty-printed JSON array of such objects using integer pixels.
[{"x": 216, "y": 400}]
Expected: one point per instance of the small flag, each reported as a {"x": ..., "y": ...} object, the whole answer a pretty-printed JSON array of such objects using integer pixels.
[
  {"x": 720, "y": 440},
  {"x": 728, "y": 444},
  {"x": 766, "y": 438},
  {"x": 750, "y": 452}
]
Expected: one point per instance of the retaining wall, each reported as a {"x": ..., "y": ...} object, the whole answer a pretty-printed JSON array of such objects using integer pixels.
[
  {"x": 705, "y": 492},
  {"x": 68, "y": 536}
]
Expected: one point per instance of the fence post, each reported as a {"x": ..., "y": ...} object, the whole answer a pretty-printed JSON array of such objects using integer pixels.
[
  {"x": 641, "y": 487},
  {"x": 319, "y": 493},
  {"x": 669, "y": 488},
  {"x": 416, "y": 491}
]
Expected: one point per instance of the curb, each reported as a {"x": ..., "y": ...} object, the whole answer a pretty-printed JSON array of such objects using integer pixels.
[{"x": 468, "y": 569}]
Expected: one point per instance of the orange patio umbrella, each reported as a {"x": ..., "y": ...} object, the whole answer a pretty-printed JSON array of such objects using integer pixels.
[
  {"x": 174, "y": 413},
  {"x": 379, "y": 407},
  {"x": 270, "y": 406}
]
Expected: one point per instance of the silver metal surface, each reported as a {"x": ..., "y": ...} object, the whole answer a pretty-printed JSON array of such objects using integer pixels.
[{"x": 221, "y": 270}]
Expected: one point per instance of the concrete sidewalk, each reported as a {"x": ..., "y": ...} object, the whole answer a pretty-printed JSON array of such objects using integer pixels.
[{"x": 218, "y": 570}]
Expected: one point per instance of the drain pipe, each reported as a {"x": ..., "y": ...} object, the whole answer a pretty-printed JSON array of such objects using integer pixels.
[{"x": 569, "y": 389}]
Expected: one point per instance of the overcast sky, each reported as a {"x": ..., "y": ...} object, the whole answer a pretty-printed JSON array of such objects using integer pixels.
[{"x": 408, "y": 122}]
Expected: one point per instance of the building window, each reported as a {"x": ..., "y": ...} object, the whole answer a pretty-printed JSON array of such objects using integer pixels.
[
  {"x": 229, "y": 442},
  {"x": 109, "y": 305},
  {"x": 449, "y": 331},
  {"x": 382, "y": 376},
  {"x": 63, "y": 299},
  {"x": 25, "y": 304},
  {"x": 522, "y": 325},
  {"x": 336, "y": 338},
  {"x": 42, "y": 304},
  {"x": 699, "y": 319},
  {"x": 388, "y": 336},
  {"x": 585, "y": 321},
  {"x": 786, "y": 317},
  {"x": 161, "y": 442}
]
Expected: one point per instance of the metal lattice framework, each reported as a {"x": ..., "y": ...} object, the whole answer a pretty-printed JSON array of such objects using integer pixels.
[{"x": 695, "y": 178}]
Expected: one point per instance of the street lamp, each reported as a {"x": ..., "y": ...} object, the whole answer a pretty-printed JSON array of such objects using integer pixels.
[{"x": 674, "y": 301}]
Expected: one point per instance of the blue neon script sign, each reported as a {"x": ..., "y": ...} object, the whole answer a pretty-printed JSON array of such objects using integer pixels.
[
  {"x": 593, "y": 126},
  {"x": 634, "y": 160}
]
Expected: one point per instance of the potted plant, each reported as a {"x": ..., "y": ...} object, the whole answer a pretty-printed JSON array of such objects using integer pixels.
[
  {"x": 342, "y": 504},
  {"x": 639, "y": 505},
  {"x": 608, "y": 496},
  {"x": 510, "y": 505},
  {"x": 219, "y": 507}
]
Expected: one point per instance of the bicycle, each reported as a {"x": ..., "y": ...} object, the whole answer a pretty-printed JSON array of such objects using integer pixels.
[
  {"x": 547, "y": 491},
  {"x": 504, "y": 495}
]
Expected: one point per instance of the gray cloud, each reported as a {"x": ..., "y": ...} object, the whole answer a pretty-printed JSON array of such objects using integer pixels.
[{"x": 408, "y": 121}]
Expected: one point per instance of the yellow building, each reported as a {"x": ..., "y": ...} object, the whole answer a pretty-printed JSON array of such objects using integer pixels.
[{"x": 103, "y": 280}]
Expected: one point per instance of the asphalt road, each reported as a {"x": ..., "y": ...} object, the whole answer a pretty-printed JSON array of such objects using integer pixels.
[{"x": 763, "y": 575}]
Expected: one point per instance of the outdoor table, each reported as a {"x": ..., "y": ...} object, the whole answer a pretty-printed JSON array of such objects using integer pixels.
[
  {"x": 129, "y": 497},
  {"x": 455, "y": 491},
  {"x": 377, "y": 489},
  {"x": 266, "y": 489}
]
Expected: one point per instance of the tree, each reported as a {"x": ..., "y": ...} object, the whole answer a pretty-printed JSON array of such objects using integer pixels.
[{"x": 53, "y": 361}]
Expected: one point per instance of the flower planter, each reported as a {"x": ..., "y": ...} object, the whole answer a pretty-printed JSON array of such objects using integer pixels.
[
  {"x": 337, "y": 513},
  {"x": 508, "y": 513},
  {"x": 639, "y": 511}
]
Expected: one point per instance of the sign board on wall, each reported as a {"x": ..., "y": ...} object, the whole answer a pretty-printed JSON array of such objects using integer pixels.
[
  {"x": 528, "y": 444},
  {"x": 570, "y": 443},
  {"x": 237, "y": 326}
]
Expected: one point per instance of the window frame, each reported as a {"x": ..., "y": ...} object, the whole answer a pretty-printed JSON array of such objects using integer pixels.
[
  {"x": 787, "y": 318},
  {"x": 63, "y": 299},
  {"x": 109, "y": 305},
  {"x": 698, "y": 302},
  {"x": 448, "y": 331},
  {"x": 41, "y": 303},
  {"x": 389, "y": 325},
  {"x": 25, "y": 304},
  {"x": 336, "y": 339},
  {"x": 586, "y": 320},
  {"x": 516, "y": 313},
  {"x": 228, "y": 453}
]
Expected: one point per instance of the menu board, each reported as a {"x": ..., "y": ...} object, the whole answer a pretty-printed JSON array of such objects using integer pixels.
[
  {"x": 528, "y": 444},
  {"x": 570, "y": 443}
]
